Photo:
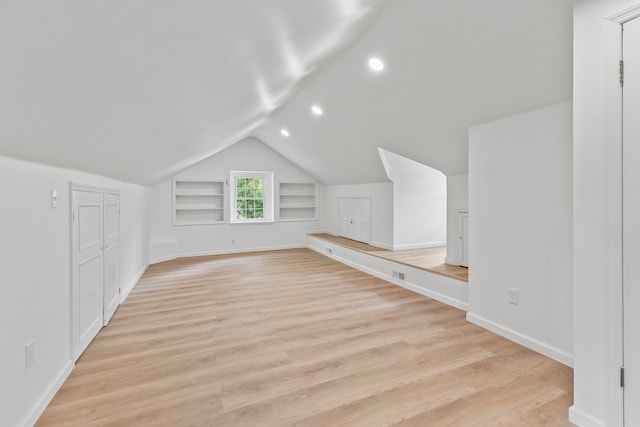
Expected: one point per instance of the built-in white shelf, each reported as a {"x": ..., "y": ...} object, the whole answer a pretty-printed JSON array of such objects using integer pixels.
[
  {"x": 298, "y": 201},
  {"x": 197, "y": 202}
]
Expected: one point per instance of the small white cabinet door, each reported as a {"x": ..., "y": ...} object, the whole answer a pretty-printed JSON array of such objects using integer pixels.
[
  {"x": 354, "y": 218},
  {"x": 111, "y": 255},
  {"x": 87, "y": 286}
]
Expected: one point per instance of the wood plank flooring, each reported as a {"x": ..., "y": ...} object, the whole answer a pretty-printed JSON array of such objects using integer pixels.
[
  {"x": 429, "y": 259},
  {"x": 293, "y": 338}
]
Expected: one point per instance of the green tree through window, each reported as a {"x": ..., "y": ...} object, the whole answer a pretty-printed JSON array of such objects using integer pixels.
[{"x": 249, "y": 198}]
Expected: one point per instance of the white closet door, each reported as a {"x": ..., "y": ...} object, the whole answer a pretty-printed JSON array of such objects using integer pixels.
[
  {"x": 362, "y": 219},
  {"x": 354, "y": 218},
  {"x": 88, "y": 265},
  {"x": 631, "y": 221},
  {"x": 345, "y": 215},
  {"x": 111, "y": 255}
]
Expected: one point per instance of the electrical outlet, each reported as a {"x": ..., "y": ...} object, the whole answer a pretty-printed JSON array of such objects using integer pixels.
[
  {"x": 29, "y": 354},
  {"x": 400, "y": 275},
  {"x": 513, "y": 296},
  {"x": 329, "y": 250},
  {"x": 233, "y": 241}
]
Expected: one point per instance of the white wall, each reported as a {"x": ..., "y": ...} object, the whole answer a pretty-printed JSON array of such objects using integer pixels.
[
  {"x": 381, "y": 209},
  {"x": 457, "y": 199},
  {"x": 168, "y": 241},
  {"x": 135, "y": 201},
  {"x": 419, "y": 202},
  {"x": 36, "y": 282},
  {"x": 520, "y": 228},
  {"x": 597, "y": 216}
]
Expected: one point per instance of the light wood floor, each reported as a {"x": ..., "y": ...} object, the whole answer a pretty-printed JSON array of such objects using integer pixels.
[
  {"x": 294, "y": 338},
  {"x": 429, "y": 259}
]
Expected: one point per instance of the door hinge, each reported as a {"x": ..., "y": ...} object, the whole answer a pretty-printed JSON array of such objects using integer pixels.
[
  {"x": 622, "y": 376},
  {"x": 73, "y": 216},
  {"x": 621, "y": 73}
]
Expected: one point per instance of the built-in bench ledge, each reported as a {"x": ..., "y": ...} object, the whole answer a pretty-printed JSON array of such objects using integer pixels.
[{"x": 442, "y": 282}]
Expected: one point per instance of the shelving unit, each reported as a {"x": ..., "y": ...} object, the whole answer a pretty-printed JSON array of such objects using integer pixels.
[
  {"x": 197, "y": 202},
  {"x": 298, "y": 201}
]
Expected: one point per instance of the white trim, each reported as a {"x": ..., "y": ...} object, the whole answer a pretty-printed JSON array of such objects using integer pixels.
[
  {"x": 583, "y": 419},
  {"x": 163, "y": 259},
  {"x": 47, "y": 397},
  {"x": 449, "y": 260},
  {"x": 124, "y": 293},
  {"x": 625, "y": 15},
  {"x": 613, "y": 394},
  {"x": 531, "y": 343},
  {"x": 268, "y": 196},
  {"x": 93, "y": 188},
  {"x": 423, "y": 245}
]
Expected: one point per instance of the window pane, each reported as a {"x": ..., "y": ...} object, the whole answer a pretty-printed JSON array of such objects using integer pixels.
[{"x": 250, "y": 197}]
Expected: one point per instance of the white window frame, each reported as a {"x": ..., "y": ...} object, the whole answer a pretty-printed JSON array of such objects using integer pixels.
[{"x": 267, "y": 195}]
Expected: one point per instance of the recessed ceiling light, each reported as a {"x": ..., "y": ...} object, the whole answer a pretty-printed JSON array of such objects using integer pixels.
[
  {"x": 284, "y": 132},
  {"x": 376, "y": 64},
  {"x": 316, "y": 110}
]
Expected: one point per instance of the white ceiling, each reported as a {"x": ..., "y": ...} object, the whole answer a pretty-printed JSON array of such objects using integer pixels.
[{"x": 139, "y": 90}]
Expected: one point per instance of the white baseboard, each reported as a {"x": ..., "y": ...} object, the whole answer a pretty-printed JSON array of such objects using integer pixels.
[
  {"x": 533, "y": 344},
  {"x": 51, "y": 391},
  {"x": 382, "y": 245},
  {"x": 583, "y": 419},
  {"x": 163, "y": 258},
  {"x": 404, "y": 284},
  {"x": 226, "y": 252},
  {"x": 423, "y": 245},
  {"x": 240, "y": 251},
  {"x": 431, "y": 294},
  {"x": 126, "y": 291},
  {"x": 451, "y": 261}
]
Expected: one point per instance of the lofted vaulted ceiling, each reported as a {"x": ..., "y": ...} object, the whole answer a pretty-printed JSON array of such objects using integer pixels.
[{"x": 142, "y": 89}]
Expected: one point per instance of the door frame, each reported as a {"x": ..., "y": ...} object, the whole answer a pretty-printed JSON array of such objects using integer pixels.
[
  {"x": 458, "y": 257},
  {"x": 74, "y": 186},
  {"x": 614, "y": 301}
]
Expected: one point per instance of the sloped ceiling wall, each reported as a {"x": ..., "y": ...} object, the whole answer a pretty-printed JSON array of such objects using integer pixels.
[
  {"x": 140, "y": 90},
  {"x": 448, "y": 65}
]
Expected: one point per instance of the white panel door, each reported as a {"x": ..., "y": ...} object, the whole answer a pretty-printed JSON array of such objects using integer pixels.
[
  {"x": 631, "y": 221},
  {"x": 354, "y": 218},
  {"x": 345, "y": 217},
  {"x": 88, "y": 276},
  {"x": 111, "y": 255},
  {"x": 362, "y": 219}
]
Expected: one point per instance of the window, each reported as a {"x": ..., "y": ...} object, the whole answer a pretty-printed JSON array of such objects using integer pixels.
[{"x": 251, "y": 197}]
